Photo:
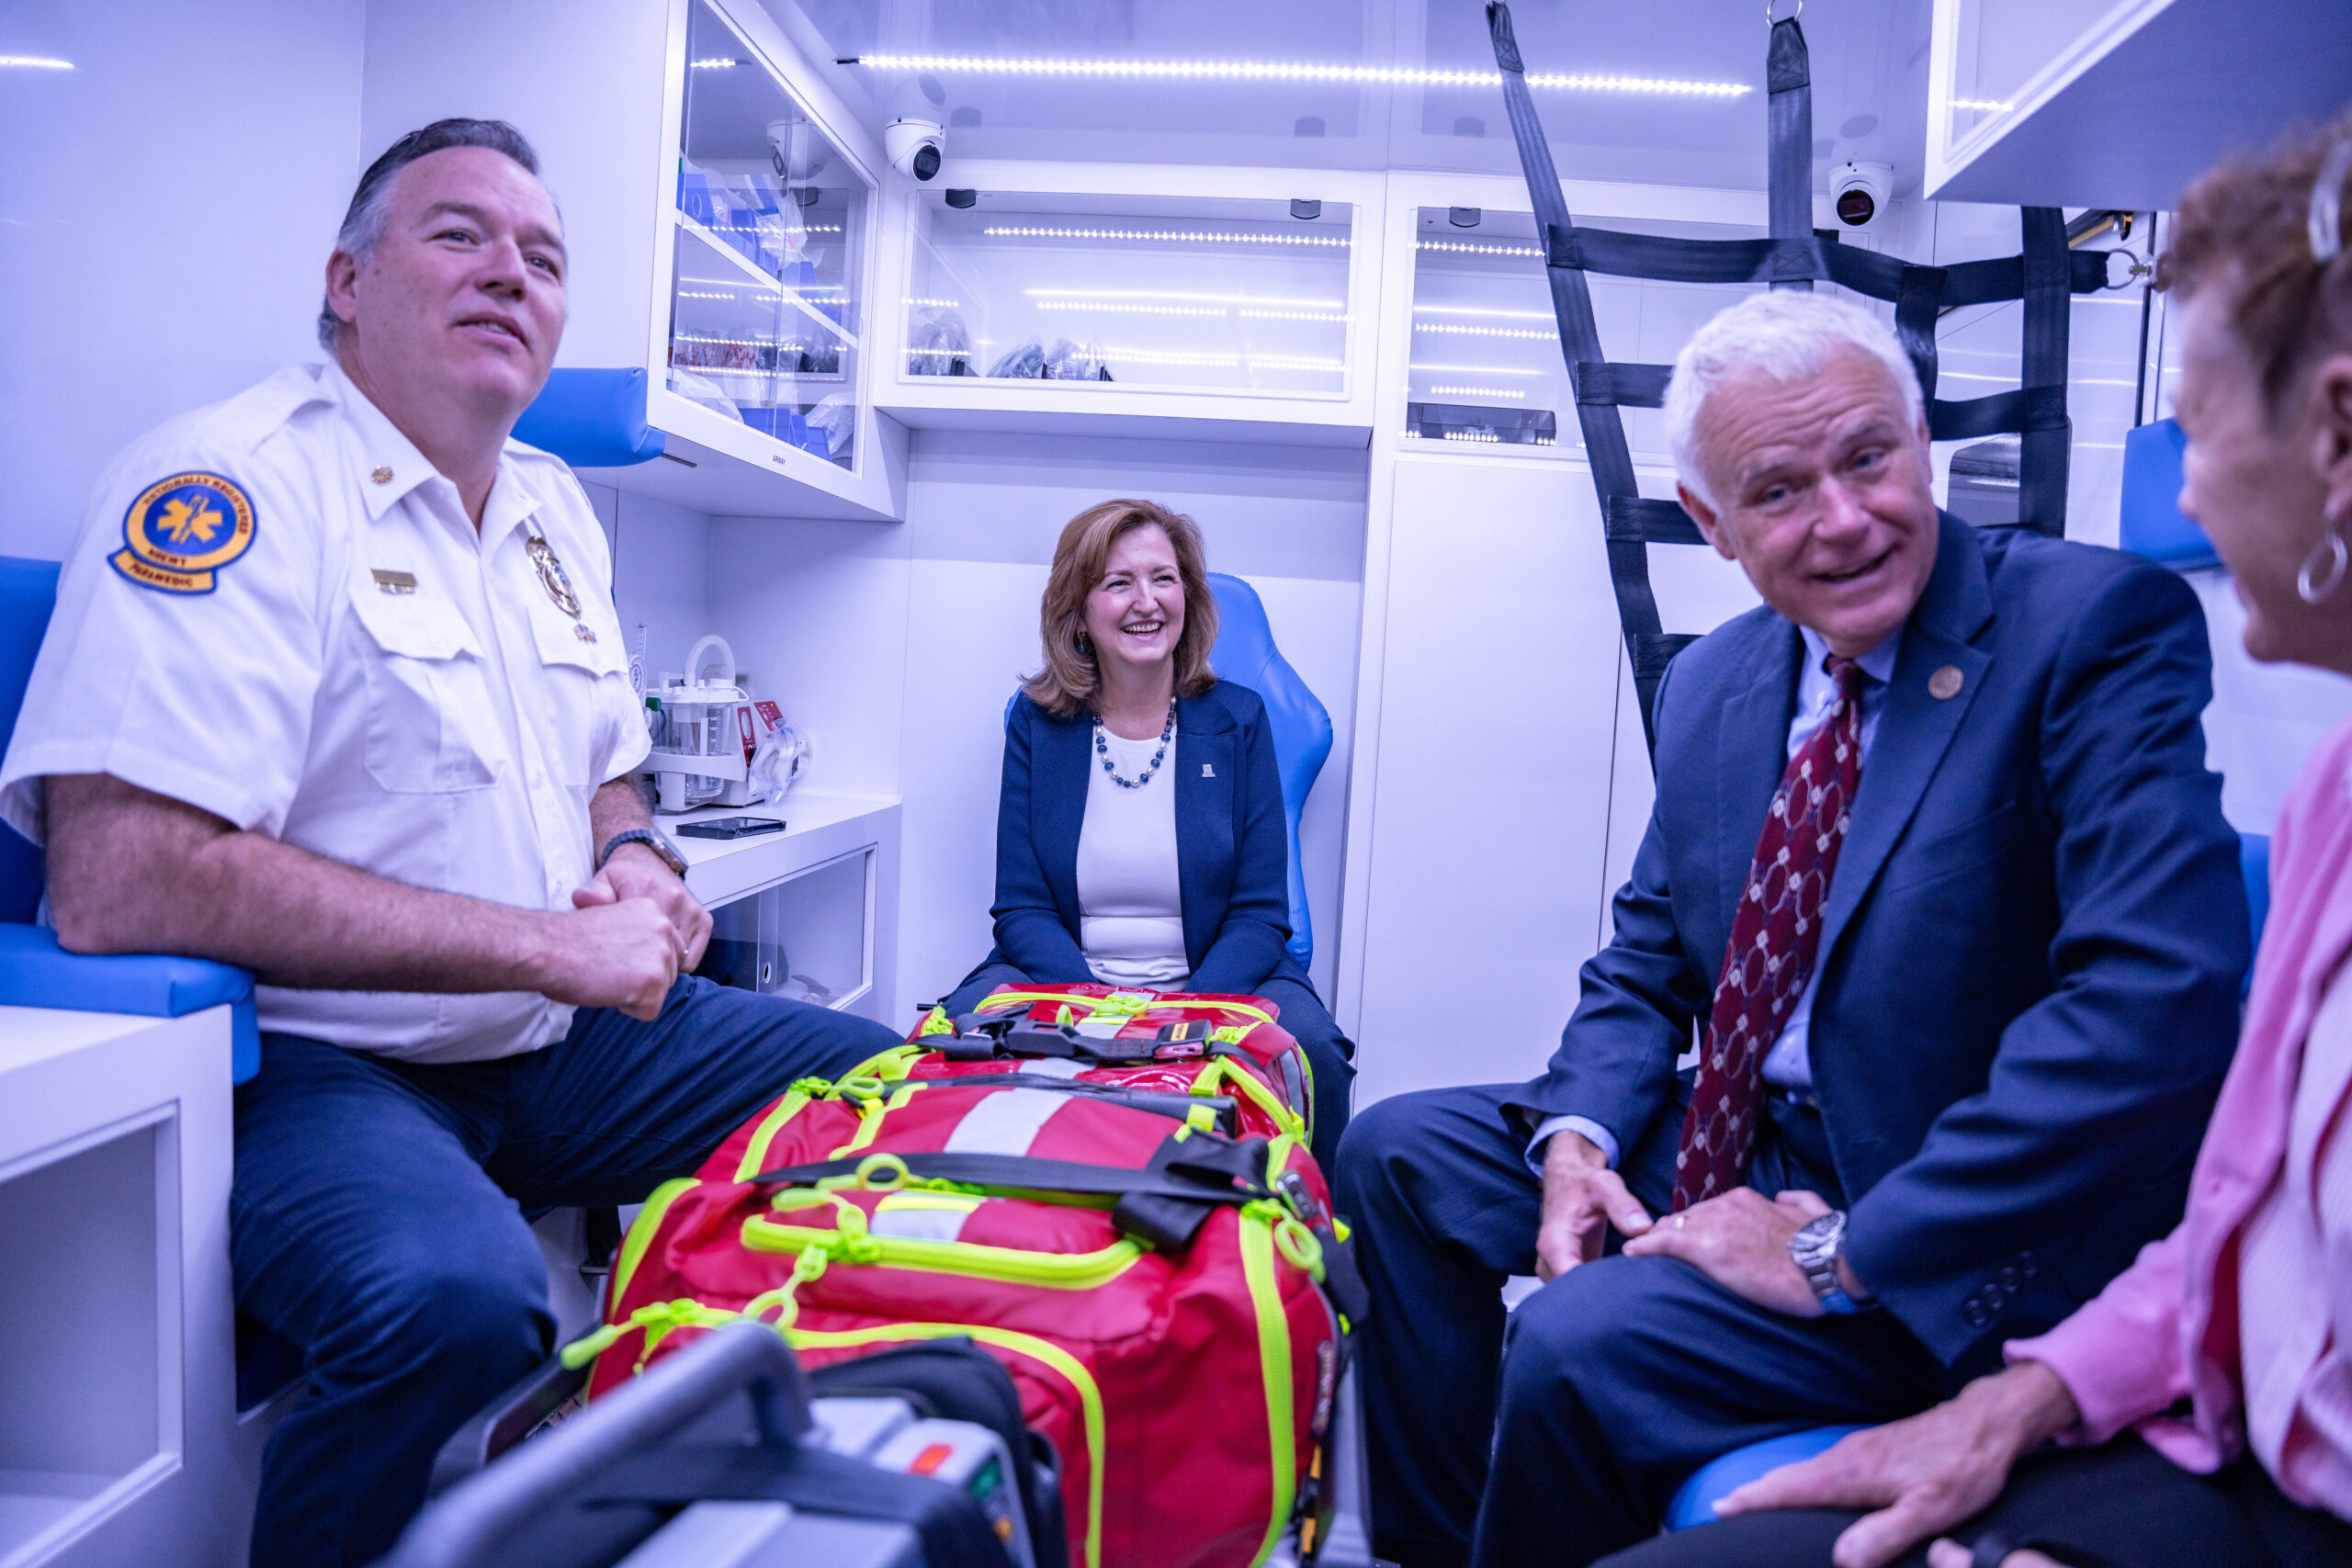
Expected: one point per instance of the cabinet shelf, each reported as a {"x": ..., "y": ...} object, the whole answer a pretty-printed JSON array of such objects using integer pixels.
[
  {"x": 2101, "y": 104},
  {"x": 753, "y": 277}
]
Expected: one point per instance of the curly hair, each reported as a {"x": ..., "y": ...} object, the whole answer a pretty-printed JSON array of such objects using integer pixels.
[{"x": 1067, "y": 686}]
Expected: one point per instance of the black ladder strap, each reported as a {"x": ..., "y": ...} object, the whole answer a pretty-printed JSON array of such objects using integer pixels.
[
  {"x": 1604, "y": 432},
  {"x": 1788, "y": 77},
  {"x": 2047, "y": 441}
]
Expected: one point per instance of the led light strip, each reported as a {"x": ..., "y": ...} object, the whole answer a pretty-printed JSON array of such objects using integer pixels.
[
  {"x": 939, "y": 304},
  {"x": 1289, "y": 71},
  {"x": 33, "y": 63},
  {"x": 1220, "y": 361},
  {"x": 1123, "y": 309},
  {"x": 1474, "y": 391},
  {"x": 1481, "y": 311},
  {"x": 1478, "y": 370},
  {"x": 1192, "y": 299},
  {"x": 715, "y": 64},
  {"x": 1467, "y": 247},
  {"x": 1461, "y": 329},
  {"x": 1193, "y": 236},
  {"x": 1992, "y": 106}
]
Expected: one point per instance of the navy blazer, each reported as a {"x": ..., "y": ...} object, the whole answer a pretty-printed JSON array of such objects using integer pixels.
[
  {"x": 1232, "y": 844},
  {"x": 2030, "y": 956}
]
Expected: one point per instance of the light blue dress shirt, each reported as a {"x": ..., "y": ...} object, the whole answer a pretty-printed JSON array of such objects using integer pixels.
[{"x": 1786, "y": 1066}]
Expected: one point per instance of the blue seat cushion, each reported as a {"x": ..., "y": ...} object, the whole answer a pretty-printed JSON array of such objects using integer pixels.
[
  {"x": 1245, "y": 654},
  {"x": 2152, "y": 524},
  {"x": 591, "y": 419},
  {"x": 1718, "y": 1479},
  {"x": 37, "y": 973},
  {"x": 27, "y": 595}
]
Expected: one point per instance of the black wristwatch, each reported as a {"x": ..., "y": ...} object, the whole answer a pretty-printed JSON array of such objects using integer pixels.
[
  {"x": 653, "y": 839},
  {"x": 1815, "y": 1250}
]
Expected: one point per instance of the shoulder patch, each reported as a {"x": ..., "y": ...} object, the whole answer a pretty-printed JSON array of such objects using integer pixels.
[{"x": 183, "y": 530}]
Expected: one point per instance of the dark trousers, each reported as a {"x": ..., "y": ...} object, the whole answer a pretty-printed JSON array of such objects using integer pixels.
[
  {"x": 1557, "y": 1433},
  {"x": 1330, "y": 1055},
  {"x": 2124, "y": 1504},
  {"x": 376, "y": 1221}
]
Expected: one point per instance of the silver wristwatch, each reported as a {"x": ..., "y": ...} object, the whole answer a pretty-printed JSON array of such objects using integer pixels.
[
  {"x": 1815, "y": 1250},
  {"x": 653, "y": 839}
]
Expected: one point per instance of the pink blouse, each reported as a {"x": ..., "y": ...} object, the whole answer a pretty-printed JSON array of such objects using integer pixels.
[{"x": 2246, "y": 1309}]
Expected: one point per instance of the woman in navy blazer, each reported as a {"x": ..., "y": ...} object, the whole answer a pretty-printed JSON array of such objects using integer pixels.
[{"x": 1126, "y": 693}]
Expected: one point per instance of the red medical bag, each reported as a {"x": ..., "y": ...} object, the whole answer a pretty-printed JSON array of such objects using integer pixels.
[{"x": 1110, "y": 1191}]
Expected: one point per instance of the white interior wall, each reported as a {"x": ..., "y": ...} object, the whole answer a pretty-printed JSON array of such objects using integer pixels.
[
  {"x": 898, "y": 647},
  {"x": 165, "y": 212}
]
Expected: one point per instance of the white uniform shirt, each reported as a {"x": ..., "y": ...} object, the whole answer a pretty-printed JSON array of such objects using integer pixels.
[
  {"x": 1130, "y": 901},
  {"x": 1787, "y": 1065},
  {"x": 302, "y": 632}
]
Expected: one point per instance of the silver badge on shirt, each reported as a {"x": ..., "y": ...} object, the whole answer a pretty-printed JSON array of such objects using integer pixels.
[{"x": 558, "y": 583}]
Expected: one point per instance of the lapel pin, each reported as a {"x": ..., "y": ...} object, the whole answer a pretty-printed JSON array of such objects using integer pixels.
[
  {"x": 1207, "y": 772},
  {"x": 382, "y": 476},
  {"x": 1944, "y": 685}
]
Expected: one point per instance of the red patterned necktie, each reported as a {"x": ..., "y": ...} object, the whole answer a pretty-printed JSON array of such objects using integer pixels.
[{"x": 1774, "y": 938}]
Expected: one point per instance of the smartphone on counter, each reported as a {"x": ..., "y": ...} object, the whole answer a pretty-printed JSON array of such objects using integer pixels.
[{"x": 728, "y": 828}]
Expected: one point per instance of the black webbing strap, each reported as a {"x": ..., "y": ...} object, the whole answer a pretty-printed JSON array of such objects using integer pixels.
[
  {"x": 2048, "y": 437},
  {"x": 1604, "y": 431},
  {"x": 1623, "y": 386},
  {"x": 1788, "y": 77},
  {"x": 2044, "y": 276}
]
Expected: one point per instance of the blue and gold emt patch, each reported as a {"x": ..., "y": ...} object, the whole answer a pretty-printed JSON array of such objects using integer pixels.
[{"x": 182, "y": 531}]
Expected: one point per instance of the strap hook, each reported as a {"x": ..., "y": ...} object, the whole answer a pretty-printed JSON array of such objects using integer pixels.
[{"x": 1772, "y": 5}]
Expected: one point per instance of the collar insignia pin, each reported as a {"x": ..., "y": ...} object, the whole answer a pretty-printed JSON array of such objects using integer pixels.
[
  {"x": 1944, "y": 685},
  {"x": 1207, "y": 772},
  {"x": 382, "y": 476}
]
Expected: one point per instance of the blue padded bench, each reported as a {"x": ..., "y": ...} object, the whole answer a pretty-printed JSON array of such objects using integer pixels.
[
  {"x": 1694, "y": 1504},
  {"x": 591, "y": 419},
  {"x": 34, "y": 970}
]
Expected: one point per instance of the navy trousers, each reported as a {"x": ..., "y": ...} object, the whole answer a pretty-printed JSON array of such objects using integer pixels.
[
  {"x": 1557, "y": 1433},
  {"x": 376, "y": 1221},
  {"x": 1330, "y": 1053}
]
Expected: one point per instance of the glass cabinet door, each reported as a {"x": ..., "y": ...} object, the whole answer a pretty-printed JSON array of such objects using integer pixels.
[
  {"x": 1164, "y": 293},
  {"x": 1485, "y": 365},
  {"x": 765, "y": 314}
]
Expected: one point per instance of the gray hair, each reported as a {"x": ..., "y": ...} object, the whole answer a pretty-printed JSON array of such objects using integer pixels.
[
  {"x": 1785, "y": 335},
  {"x": 371, "y": 204}
]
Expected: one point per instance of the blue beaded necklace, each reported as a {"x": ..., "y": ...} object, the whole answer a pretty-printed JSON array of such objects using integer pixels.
[{"x": 1103, "y": 750}]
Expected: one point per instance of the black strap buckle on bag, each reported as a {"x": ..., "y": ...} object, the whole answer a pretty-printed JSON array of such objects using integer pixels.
[{"x": 987, "y": 1036}]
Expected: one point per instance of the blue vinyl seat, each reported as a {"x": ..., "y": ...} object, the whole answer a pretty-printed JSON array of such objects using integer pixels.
[
  {"x": 1245, "y": 654},
  {"x": 2152, "y": 523},
  {"x": 35, "y": 971},
  {"x": 1694, "y": 1503}
]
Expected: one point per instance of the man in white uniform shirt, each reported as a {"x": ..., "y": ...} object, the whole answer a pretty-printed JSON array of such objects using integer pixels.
[{"x": 336, "y": 692}]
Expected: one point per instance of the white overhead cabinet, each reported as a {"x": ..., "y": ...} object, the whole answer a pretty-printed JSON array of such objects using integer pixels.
[
  {"x": 1212, "y": 303},
  {"x": 2119, "y": 103},
  {"x": 719, "y": 205}
]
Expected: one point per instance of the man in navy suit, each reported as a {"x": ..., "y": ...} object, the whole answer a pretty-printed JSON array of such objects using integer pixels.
[{"x": 1920, "y": 993}]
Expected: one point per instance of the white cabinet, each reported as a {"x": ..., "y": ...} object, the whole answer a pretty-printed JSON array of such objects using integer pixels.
[
  {"x": 720, "y": 204},
  {"x": 808, "y": 913},
  {"x": 118, "y": 1430},
  {"x": 2119, "y": 103},
  {"x": 1211, "y": 303}
]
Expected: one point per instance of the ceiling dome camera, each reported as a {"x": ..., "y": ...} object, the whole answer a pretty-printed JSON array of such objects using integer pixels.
[
  {"x": 915, "y": 147},
  {"x": 1861, "y": 192}
]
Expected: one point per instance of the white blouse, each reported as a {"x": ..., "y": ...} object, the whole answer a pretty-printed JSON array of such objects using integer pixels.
[{"x": 1130, "y": 904}]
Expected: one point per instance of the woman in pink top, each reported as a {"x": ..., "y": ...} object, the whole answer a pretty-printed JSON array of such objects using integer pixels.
[{"x": 2202, "y": 1403}]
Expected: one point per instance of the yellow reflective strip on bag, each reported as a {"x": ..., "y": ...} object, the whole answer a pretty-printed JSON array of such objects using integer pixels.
[
  {"x": 1273, "y": 1365},
  {"x": 756, "y": 1153},
  {"x": 869, "y": 1120},
  {"x": 1017, "y": 1266},
  {"x": 1003, "y": 999},
  {"x": 640, "y": 1236},
  {"x": 1070, "y": 1369}
]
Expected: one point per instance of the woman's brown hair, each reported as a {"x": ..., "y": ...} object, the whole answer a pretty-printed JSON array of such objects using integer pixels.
[
  {"x": 1067, "y": 686},
  {"x": 2246, "y": 224}
]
